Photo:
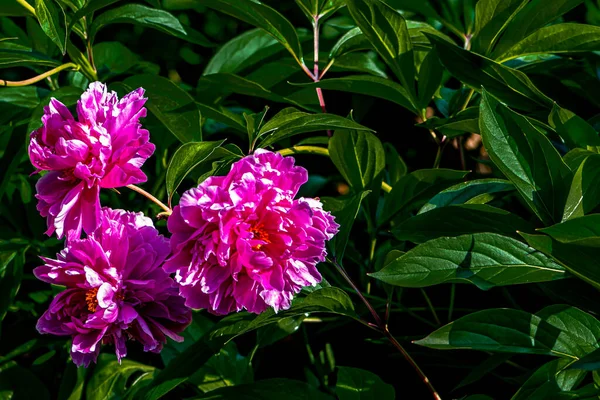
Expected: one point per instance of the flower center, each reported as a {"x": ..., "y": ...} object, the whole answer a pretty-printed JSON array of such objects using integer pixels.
[
  {"x": 259, "y": 233},
  {"x": 91, "y": 298}
]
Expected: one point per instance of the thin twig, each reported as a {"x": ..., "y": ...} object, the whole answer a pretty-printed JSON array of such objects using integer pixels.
[
  {"x": 156, "y": 201},
  {"x": 383, "y": 327},
  {"x": 38, "y": 78}
]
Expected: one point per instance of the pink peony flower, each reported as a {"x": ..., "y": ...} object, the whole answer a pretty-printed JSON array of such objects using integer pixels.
[
  {"x": 242, "y": 241},
  {"x": 116, "y": 289},
  {"x": 104, "y": 148}
]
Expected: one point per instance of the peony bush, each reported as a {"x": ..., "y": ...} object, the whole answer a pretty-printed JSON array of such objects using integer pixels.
[{"x": 330, "y": 199}]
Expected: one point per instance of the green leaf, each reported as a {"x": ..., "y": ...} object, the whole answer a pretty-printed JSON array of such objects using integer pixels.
[
  {"x": 223, "y": 83},
  {"x": 11, "y": 274},
  {"x": 483, "y": 259},
  {"x": 396, "y": 167},
  {"x": 91, "y": 7},
  {"x": 319, "y": 9},
  {"x": 584, "y": 194},
  {"x": 491, "y": 18},
  {"x": 430, "y": 78},
  {"x": 574, "y": 130},
  {"x": 416, "y": 188},
  {"x": 243, "y": 51},
  {"x": 359, "y": 384},
  {"x": 223, "y": 115},
  {"x": 360, "y": 62},
  {"x": 457, "y": 220},
  {"x": 110, "y": 377},
  {"x": 150, "y": 18},
  {"x": 478, "y": 191},
  {"x": 533, "y": 16},
  {"x": 418, "y": 30},
  {"x": 550, "y": 379},
  {"x": 268, "y": 389},
  {"x": 579, "y": 260},
  {"x": 358, "y": 155},
  {"x": 583, "y": 231},
  {"x": 273, "y": 333},
  {"x": 509, "y": 85},
  {"x": 367, "y": 85},
  {"x": 21, "y": 382},
  {"x": 526, "y": 157},
  {"x": 558, "y": 330},
  {"x": 290, "y": 121},
  {"x": 72, "y": 383},
  {"x": 345, "y": 211},
  {"x": 53, "y": 21},
  {"x": 26, "y": 97},
  {"x": 173, "y": 107},
  {"x": 557, "y": 39},
  {"x": 465, "y": 121},
  {"x": 590, "y": 362},
  {"x": 20, "y": 56},
  {"x": 187, "y": 157},
  {"x": 387, "y": 31},
  {"x": 353, "y": 40},
  {"x": 328, "y": 300},
  {"x": 226, "y": 368},
  {"x": 262, "y": 16}
]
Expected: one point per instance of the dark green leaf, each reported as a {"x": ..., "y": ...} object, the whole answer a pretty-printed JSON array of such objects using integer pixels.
[
  {"x": 457, "y": 220},
  {"x": 262, "y": 16},
  {"x": 185, "y": 159},
  {"x": 558, "y": 330},
  {"x": 91, "y": 7},
  {"x": 329, "y": 300},
  {"x": 387, "y": 31},
  {"x": 223, "y": 83},
  {"x": 584, "y": 194},
  {"x": 414, "y": 189},
  {"x": 507, "y": 84},
  {"x": 273, "y": 333},
  {"x": 557, "y": 39},
  {"x": 11, "y": 274},
  {"x": 110, "y": 377},
  {"x": 243, "y": 51},
  {"x": 290, "y": 121},
  {"x": 26, "y": 97},
  {"x": 579, "y": 260},
  {"x": 396, "y": 167},
  {"x": 173, "y": 107},
  {"x": 589, "y": 362},
  {"x": 491, "y": 18},
  {"x": 353, "y": 40},
  {"x": 550, "y": 379},
  {"x": 526, "y": 157},
  {"x": 226, "y": 368},
  {"x": 465, "y": 121},
  {"x": 367, "y": 85},
  {"x": 20, "y": 56},
  {"x": 151, "y": 18},
  {"x": 583, "y": 231},
  {"x": 345, "y": 211},
  {"x": 21, "y": 382},
  {"x": 430, "y": 78},
  {"x": 53, "y": 21},
  {"x": 574, "y": 130},
  {"x": 223, "y": 115},
  {"x": 268, "y": 389},
  {"x": 319, "y": 9},
  {"x": 478, "y": 191},
  {"x": 483, "y": 259},
  {"x": 535, "y": 15},
  {"x": 359, "y": 62},
  {"x": 358, "y": 155},
  {"x": 359, "y": 384}
]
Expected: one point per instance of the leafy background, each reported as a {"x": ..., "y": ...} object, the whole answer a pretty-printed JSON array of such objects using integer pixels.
[{"x": 462, "y": 165}]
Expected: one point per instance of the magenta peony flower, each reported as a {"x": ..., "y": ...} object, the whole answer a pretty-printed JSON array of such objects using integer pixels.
[
  {"x": 116, "y": 289},
  {"x": 104, "y": 148},
  {"x": 242, "y": 241}
]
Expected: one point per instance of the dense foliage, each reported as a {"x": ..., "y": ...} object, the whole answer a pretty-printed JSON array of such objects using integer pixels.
[{"x": 455, "y": 142}]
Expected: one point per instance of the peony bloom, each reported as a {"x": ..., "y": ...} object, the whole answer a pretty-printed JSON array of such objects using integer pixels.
[
  {"x": 242, "y": 241},
  {"x": 104, "y": 148},
  {"x": 116, "y": 289}
]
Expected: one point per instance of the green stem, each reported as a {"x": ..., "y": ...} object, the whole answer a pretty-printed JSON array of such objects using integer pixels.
[
  {"x": 156, "y": 201},
  {"x": 431, "y": 307},
  {"x": 38, "y": 78},
  {"x": 27, "y": 6},
  {"x": 451, "y": 305}
]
